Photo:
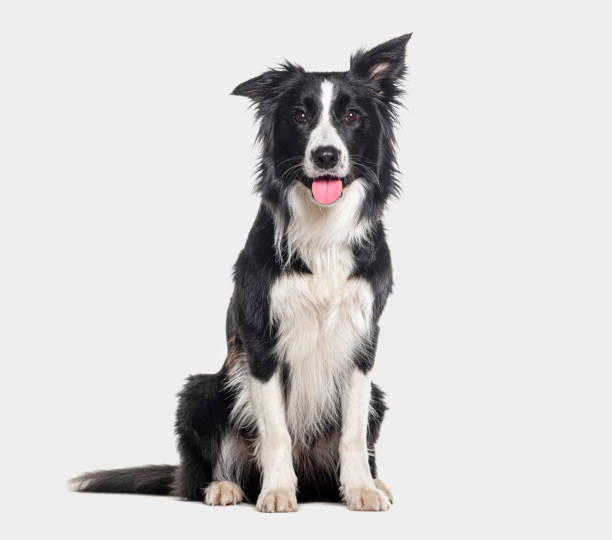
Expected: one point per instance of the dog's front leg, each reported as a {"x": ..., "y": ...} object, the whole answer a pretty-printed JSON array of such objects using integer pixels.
[
  {"x": 358, "y": 486},
  {"x": 274, "y": 448}
]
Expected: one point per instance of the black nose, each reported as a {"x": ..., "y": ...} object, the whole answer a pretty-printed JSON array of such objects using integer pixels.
[{"x": 326, "y": 157}]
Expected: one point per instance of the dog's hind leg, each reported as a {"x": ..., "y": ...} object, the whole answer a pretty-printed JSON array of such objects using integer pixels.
[
  {"x": 232, "y": 471},
  {"x": 201, "y": 422},
  {"x": 222, "y": 493}
]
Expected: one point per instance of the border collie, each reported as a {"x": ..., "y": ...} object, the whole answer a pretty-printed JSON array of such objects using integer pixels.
[{"x": 292, "y": 414}]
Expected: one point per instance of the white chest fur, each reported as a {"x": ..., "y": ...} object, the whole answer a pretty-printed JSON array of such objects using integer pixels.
[
  {"x": 323, "y": 317},
  {"x": 321, "y": 323}
]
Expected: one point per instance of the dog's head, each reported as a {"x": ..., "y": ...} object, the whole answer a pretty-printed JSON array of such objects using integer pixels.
[{"x": 326, "y": 130}]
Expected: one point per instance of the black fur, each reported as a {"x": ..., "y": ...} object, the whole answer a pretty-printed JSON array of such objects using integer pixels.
[
  {"x": 372, "y": 88},
  {"x": 145, "y": 480}
]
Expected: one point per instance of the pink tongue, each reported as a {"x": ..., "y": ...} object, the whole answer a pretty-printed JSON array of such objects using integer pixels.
[{"x": 326, "y": 191}]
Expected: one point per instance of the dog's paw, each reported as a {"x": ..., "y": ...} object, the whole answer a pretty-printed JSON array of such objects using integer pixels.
[
  {"x": 383, "y": 487},
  {"x": 222, "y": 494},
  {"x": 277, "y": 500},
  {"x": 367, "y": 499}
]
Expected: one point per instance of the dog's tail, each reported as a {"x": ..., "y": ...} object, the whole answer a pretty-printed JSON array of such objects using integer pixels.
[{"x": 146, "y": 480}]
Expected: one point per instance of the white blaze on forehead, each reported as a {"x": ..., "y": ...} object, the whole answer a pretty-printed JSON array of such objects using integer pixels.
[
  {"x": 325, "y": 134},
  {"x": 327, "y": 96}
]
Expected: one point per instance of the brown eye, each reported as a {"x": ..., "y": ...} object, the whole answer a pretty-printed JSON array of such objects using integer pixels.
[
  {"x": 351, "y": 115},
  {"x": 300, "y": 117}
]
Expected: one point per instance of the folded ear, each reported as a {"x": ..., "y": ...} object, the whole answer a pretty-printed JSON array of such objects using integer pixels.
[
  {"x": 269, "y": 84},
  {"x": 384, "y": 65}
]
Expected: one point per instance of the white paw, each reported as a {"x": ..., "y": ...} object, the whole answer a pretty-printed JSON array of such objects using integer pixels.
[
  {"x": 383, "y": 487},
  {"x": 222, "y": 494},
  {"x": 277, "y": 500},
  {"x": 366, "y": 499}
]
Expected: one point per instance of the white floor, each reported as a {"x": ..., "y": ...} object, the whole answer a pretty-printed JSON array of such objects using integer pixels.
[{"x": 93, "y": 516}]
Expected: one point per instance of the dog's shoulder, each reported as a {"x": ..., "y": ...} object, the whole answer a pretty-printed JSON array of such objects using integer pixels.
[{"x": 372, "y": 262}]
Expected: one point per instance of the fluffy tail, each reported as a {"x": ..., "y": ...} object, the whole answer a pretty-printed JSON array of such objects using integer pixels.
[{"x": 147, "y": 480}]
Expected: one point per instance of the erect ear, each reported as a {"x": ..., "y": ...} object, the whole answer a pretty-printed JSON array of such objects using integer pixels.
[
  {"x": 269, "y": 84},
  {"x": 384, "y": 65}
]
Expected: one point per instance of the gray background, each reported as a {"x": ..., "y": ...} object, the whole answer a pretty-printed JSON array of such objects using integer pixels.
[{"x": 124, "y": 163}]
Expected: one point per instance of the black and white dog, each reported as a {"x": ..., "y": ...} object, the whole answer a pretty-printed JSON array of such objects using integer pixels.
[{"x": 293, "y": 414}]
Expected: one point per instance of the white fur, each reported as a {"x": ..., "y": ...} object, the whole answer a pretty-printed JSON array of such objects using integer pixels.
[
  {"x": 233, "y": 459},
  {"x": 323, "y": 235},
  {"x": 322, "y": 317},
  {"x": 262, "y": 404},
  {"x": 325, "y": 134},
  {"x": 242, "y": 414},
  {"x": 321, "y": 322},
  {"x": 360, "y": 490},
  {"x": 354, "y": 467},
  {"x": 274, "y": 448}
]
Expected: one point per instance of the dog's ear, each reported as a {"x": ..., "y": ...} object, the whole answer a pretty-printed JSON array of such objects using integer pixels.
[
  {"x": 384, "y": 65},
  {"x": 268, "y": 85}
]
